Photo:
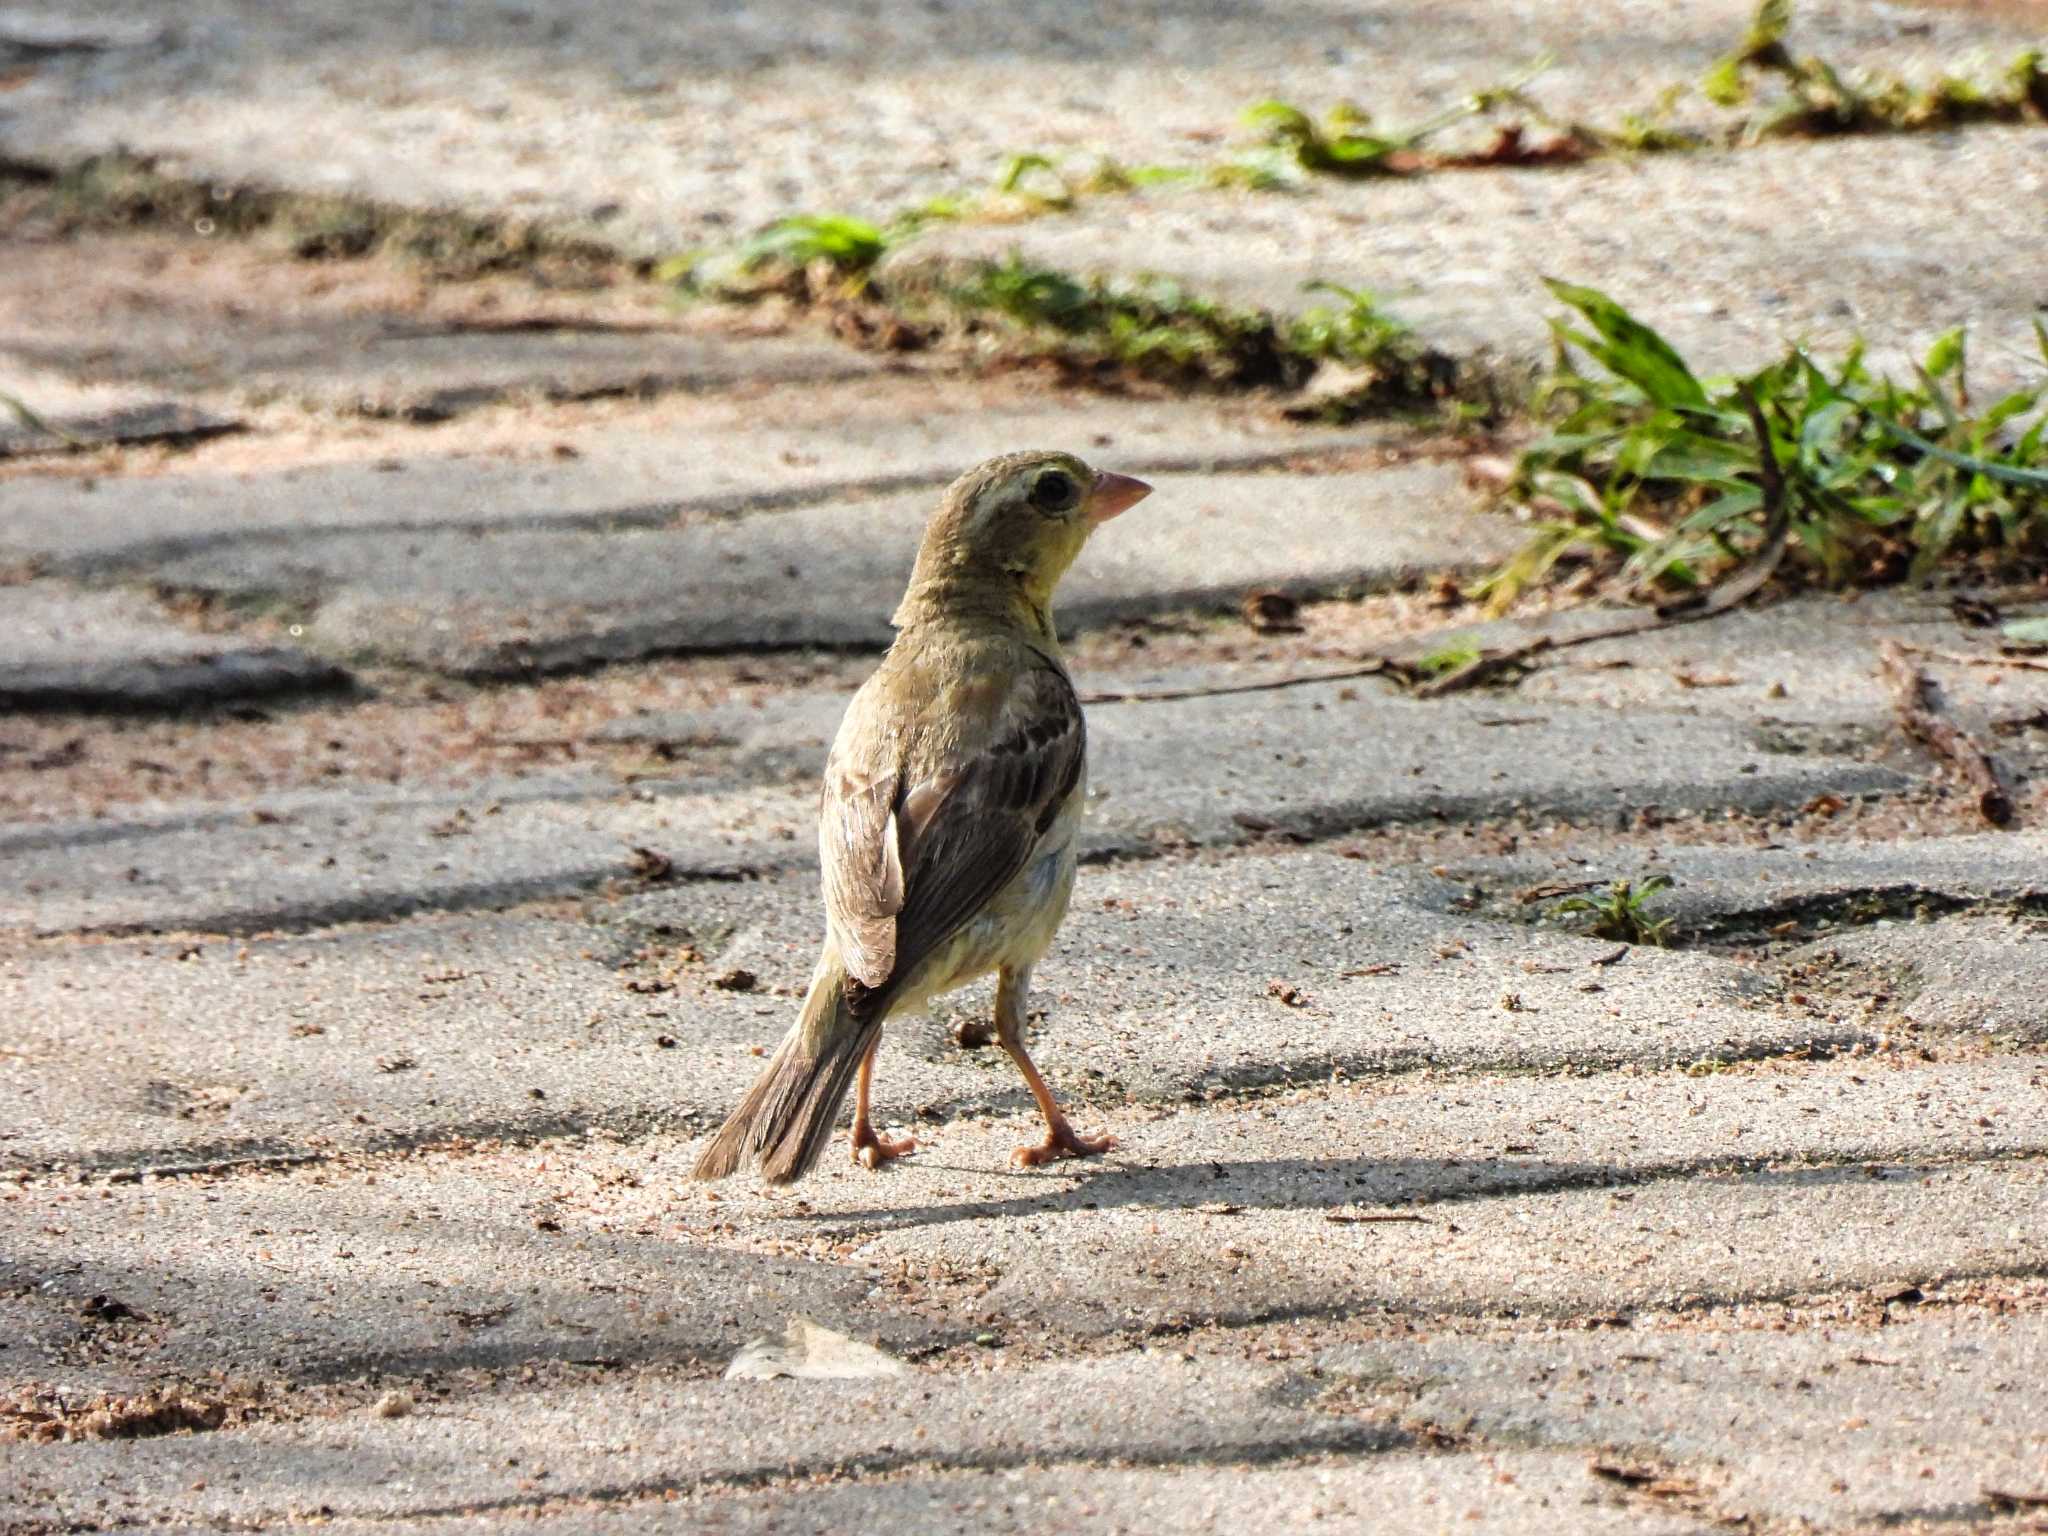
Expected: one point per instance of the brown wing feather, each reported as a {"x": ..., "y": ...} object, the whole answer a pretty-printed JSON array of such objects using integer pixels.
[
  {"x": 969, "y": 828},
  {"x": 860, "y": 848}
]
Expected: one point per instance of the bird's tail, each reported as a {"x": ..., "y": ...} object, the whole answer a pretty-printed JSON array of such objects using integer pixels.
[{"x": 786, "y": 1117}]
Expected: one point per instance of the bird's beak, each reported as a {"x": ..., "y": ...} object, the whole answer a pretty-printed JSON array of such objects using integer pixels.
[{"x": 1112, "y": 494}]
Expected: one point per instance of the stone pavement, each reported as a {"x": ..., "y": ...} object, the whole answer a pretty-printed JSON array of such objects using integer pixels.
[
  {"x": 1729, "y": 255},
  {"x": 664, "y": 128},
  {"x": 406, "y": 844}
]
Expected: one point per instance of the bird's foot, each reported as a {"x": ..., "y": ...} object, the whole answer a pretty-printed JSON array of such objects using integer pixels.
[
  {"x": 871, "y": 1150},
  {"x": 1061, "y": 1140},
  {"x": 974, "y": 1033}
]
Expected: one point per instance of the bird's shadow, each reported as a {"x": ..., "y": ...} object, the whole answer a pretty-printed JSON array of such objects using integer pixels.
[{"x": 1402, "y": 1187}]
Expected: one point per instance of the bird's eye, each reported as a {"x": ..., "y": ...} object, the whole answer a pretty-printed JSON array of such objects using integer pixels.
[{"x": 1055, "y": 491}]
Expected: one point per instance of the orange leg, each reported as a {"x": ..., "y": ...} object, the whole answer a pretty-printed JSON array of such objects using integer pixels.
[
  {"x": 1061, "y": 1140},
  {"x": 869, "y": 1149}
]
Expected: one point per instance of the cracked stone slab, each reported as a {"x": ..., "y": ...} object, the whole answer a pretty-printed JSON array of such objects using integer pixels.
[
  {"x": 157, "y": 422},
  {"x": 1728, "y": 884},
  {"x": 84, "y": 414},
  {"x": 1171, "y": 982},
  {"x": 1509, "y": 1493},
  {"x": 1321, "y": 759},
  {"x": 319, "y": 1275},
  {"x": 1312, "y": 761},
  {"x": 1980, "y": 975},
  {"x": 1801, "y": 675},
  {"x": 657, "y": 464},
  {"x": 66, "y": 649},
  {"x": 30, "y": 31},
  {"x": 1806, "y": 668},
  {"x": 313, "y": 857},
  {"x": 1277, "y": 1233},
  {"x": 427, "y": 375},
  {"x": 1917, "y": 1419},
  {"x": 1652, "y": 1193},
  {"x": 663, "y": 131},
  {"x": 1777, "y": 246},
  {"x": 612, "y": 1439},
  {"x": 224, "y": 321},
  {"x": 830, "y": 575},
  {"x": 1720, "y": 889},
  {"x": 1881, "y": 909}
]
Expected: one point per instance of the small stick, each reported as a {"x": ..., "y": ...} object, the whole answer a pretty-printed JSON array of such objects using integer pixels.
[
  {"x": 1918, "y": 702},
  {"x": 1964, "y": 659},
  {"x": 2007, "y": 1503},
  {"x": 1365, "y": 1217},
  {"x": 1770, "y": 552},
  {"x": 1734, "y": 589},
  {"x": 1372, "y": 668},
  {"x": 1738, "y": 588}
]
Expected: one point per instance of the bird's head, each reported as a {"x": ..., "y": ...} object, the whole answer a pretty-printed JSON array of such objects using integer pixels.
[{"x": 1007, "y": 531}]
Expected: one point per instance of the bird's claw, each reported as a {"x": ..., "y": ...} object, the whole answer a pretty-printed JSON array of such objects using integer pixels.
[
  {"x": 871, "y": 1150},
  {"x": 1061, "y": 1141}
]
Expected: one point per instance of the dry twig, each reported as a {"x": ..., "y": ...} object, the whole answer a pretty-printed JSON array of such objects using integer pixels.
[
  {"x": 1918, "y": 702},
  {"x": 1372, "y": 668},
  {"x": 1488, "y": 664},
  {"x": 1965, "y": 659},
  {"x": 1367, "y": 1218}
]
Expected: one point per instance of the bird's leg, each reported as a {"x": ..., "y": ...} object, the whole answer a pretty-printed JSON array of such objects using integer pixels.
[
  {"x": 1061, "y": 1140},
  {"x": 869, "y": 1149}
]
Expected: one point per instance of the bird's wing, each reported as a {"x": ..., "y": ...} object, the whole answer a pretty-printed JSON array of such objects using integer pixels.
[
  {"x": 904, "y": 873},
  {"x": 860, "y": 848}
]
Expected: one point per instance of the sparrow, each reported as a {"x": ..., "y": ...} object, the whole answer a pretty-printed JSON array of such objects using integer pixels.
[{"x": 947, "y": 820}]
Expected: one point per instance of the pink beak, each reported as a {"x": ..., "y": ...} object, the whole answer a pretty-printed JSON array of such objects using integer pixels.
[{"x": 1112, "y": 494}]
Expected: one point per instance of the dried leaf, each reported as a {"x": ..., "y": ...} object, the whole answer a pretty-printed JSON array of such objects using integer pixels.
[{"x": 810, "y": 1351}]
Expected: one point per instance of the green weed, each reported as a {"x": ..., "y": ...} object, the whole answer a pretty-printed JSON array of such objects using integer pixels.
[
  {"x": 1344, "y": 143},
  {"x": 1620, "y": 912},
  {"x": 1814, "y": 98},
  {"x": 119, "y": 191},
  {"x": 800, "y": 254},
  {"x": 1648, "y": 463},
  {"x": 1451, "y": 656},
  {"x": 1354, "y": 330},
  {"x": 1819, "y": 99},
  {"x": 1152, "y": 326}
]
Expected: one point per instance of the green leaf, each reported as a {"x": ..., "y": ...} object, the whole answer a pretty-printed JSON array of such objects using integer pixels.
[
  {"x": 676, "y": 271},
  {"x": 20, "y": 411},
  {"x": 1772, "y": 22},
  {"x": 1633, "y": 350},
  {"x": 1697, "y": 459},
  {"x": 1460, "y": 651},
  {"x": 1724, "y": 509},
  {"x": 1278, "y": 116},
  {"x": 1946, "y": 353},
  {"x": 2026, "y": 631},
  {"x": 1724, "y": 85},
  {"x": 2018, "y": 403},
  {"x": 2032, "y": 479}
]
